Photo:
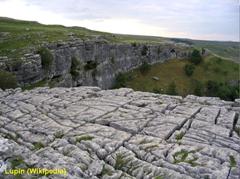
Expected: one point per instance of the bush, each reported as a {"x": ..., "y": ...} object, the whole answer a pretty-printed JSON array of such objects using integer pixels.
[
  {"x": 222, "y": 90},
  {"x": 198, "y": 88},
  {"x": 121, "y": 80},
  {"x": 74, "y": 67},
  {"x": 46, "y": 57},
  {"x": 211, "y": 88},
  {"x": 196, "y": 57},
  {"x": 90, "y": 65},
  {"x": 189, "y": 69},
  {"x": 171, "y": 90},
  {"x": 144, "y": 68},
  {"x": 144, "y": 50},
  {"x": 134, "y": 44},
  {"x": 7, "y": 80}
]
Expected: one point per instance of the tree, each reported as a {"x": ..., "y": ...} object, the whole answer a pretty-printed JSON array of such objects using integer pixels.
[
  {"x": 196, "y": 57},
  {"x": 46, "y": 57},
  {"x": 189, "y": 69},
  {"x": 144, "y": 68},
  {"x": 171, "y": 90},
  {"x": 212, "y": 88},
  {"x": 198, "y": 88}
]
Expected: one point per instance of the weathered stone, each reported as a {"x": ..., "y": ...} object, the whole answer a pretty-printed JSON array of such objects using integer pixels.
[{"x": 95, "y": 133}]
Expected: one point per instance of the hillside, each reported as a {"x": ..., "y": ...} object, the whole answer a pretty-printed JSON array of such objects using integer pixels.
[
  {"x": 18, "y": 37},
  {"x": 54, "y": 55},
  {"x": 159, "y": 77}
]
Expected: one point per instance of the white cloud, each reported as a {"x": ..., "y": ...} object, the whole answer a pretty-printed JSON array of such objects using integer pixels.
[{"x": 185, "y": 18}]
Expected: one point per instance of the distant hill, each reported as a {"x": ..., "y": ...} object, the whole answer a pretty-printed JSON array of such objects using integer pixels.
[{"x": 18, "y": 37}]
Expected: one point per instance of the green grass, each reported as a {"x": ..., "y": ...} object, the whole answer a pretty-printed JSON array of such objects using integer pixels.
[
  {"x": 38, "y": 145},
  {"x": 212, "y": 68},
  {"x": 179, "y": 136},
  {"x": 84, "y": 138},
  {"x": 232, "y": 161},
  {"x": 41, "y": 83},
  {"x": 120, "y": 161},
  {"x": 22, "y": 36},
  {"x": 183, "y": 156},
  {"x": 7, "y": 80},
  {"x": 19, "y": 37}
]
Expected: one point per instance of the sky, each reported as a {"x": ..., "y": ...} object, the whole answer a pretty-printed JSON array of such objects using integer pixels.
[{"x": 196, "y": 19}]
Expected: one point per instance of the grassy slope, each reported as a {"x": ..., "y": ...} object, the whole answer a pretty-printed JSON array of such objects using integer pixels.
[
  {"x": 23, "y": 36},
  {"x": 211, "y": 69}
]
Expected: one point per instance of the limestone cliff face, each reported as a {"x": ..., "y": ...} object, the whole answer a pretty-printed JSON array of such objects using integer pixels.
[{"x": 98, "y": 62}]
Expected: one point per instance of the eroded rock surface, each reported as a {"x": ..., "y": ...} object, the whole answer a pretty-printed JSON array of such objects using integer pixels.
[{"x": 113, "y": 134}]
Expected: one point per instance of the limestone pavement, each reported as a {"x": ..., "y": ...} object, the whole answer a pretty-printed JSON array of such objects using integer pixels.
[{"x": 113, "y": 134}]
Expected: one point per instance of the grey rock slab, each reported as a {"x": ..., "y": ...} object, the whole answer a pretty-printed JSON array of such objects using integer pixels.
[{"x": 120, "y": 133}]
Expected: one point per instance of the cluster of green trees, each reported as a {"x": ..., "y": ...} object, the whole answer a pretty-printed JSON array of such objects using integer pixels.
[
  {"x": 211, "y": 88},
  {"x": 195, "y": 59}
]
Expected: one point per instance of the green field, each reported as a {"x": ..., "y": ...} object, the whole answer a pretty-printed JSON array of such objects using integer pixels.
[{"x": 212, "y": 68}]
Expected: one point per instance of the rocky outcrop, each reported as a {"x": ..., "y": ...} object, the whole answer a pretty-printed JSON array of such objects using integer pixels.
[
  {"x": 94, "y": 133},
  {"x": 98, "y": 62}
]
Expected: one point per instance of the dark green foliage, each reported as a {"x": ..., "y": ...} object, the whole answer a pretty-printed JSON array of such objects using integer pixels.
[
  {"x": 74, "y": 67},
  {"x": 196, "y": 57},
  {"x": 7, "y": 80},
  {"x": 46, "y": 57},
  {"x": 134, "y": 44},
  {"x": 224, "y": 91},
  {"x": 211, "y": 88},
  {"x": 189, "y": 69},
  {"x": 232, "y": 162},
  {"x": 121, "y": 80},
  {"x": 90, "y": 65},
  {"x": 198, "y": 88},
  {"x": 156, "y": 90},
  {"x": 144, "y": 68},
  {"x": 144, "y": 50},
  {"x": 171, "y": 90}
]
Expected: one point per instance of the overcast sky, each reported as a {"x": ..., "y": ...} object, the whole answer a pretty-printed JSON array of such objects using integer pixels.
[{"x": 198, "y": 19}]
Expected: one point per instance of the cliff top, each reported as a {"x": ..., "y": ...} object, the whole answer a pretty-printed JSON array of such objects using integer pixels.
[{"x": 94, "y": 133}]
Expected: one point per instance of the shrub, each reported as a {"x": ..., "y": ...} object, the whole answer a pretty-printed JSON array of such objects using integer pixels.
[
  {"x": 46, "y": 57},
  {"x": 7, "y": 80},
  {"x": 189, "y": 69},
  {"x": 196, "y": 57},
  {"x": 144, "y": 50},
  {"x": 224, "y": 91},
  {"x": 74, "y": 67},
  {"x": 90, "y": 65},
  {"x": 134, "y": 44},
  {"x": 198, "y": 88},
  {"x": 171, "y": 90},
  {"x": 121, "y": 80},
  {"x": 211, "y": 88},
  {"x": 144, "y": 68}
]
